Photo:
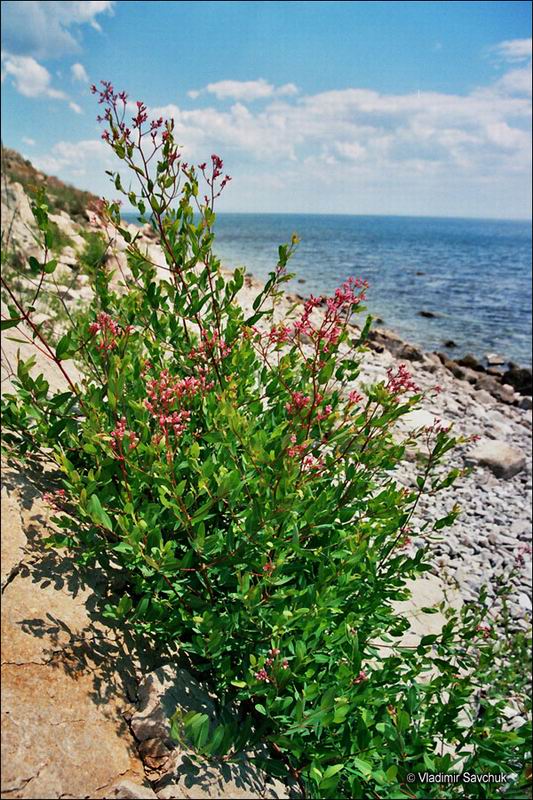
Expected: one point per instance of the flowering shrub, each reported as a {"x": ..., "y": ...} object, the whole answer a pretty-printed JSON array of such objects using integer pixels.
[{"x": 246, "y": 490}]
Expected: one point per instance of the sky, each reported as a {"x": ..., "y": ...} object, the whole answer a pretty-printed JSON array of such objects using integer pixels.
[{"x": 415, "y": 108}]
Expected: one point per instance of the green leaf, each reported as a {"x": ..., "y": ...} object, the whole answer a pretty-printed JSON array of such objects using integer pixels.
[
  {"x": 97, "y": 513},
  {"x": 9, "y": 323},
  {"x": 333, "y": 770},
  {"x": 50, "y": 266},
  {"x": 63, "y": 346}
]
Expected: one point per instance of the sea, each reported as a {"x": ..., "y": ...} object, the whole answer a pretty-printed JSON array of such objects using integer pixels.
[{"x": 432, "y": 280}]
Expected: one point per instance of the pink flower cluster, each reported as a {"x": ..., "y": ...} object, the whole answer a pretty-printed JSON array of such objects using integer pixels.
[
  {"x": 361, "y": 678},
  {"x": 324, "y": 413},
  {"x": 118, "y": 435},
  {"x": 438, "y": 427},
  {"x": 109, "y": 330},
  {"x": 311, "y": 463},
  {"x": 166, "y": 395},
  {"x": 338, "y": 310},
  {"x": 262, "y": 674},
  {"x": 55, "y": 499},
  {"x": 295, "y": 449},
  {"x": 400, "y": 381},
  {"x": 216, "y": 171},
  {"x": 354, "y": 398},
  {"x": 279, "y": 334},
  {"x": 297, "y": 403},
  {"x": 212, "y": 346}
]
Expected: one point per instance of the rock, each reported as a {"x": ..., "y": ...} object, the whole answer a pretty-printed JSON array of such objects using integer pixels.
[
  {"x": 61, "y": 675},
  {"x": 482, "y": 396},
  {"x": 428, "y": 314},
  {"x": 238, "y": 780},
  {"x": 502, "y": 392},
  {"x": 526, "y": 403},
  {"x": 162, "y": 691},
  {"x": 496, "y": 372},
  {"x": 524, "y": 601},
  {"x": 432, "y": 362},
  {"x": 13, "y": 537},
  {"x": 301, "y": 280},
  {"x": 129, "y": 789},
  {"x": 69, "y": 257},
  {"x": 493, "y": 359},
  {"x": 410, "y": 353},
  {"x": 471, "y": 362},
  {"x": 427, "y": 592},
  {"x": 520, "y": 379},
  {"x": 450, "y": 344},
  {"x": 503, "y": 461},
  {"x": 419, "y": 419},
  {"x": 420, "y": 272}
]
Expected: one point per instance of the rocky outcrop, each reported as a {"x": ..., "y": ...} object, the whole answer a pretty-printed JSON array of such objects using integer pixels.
[{"x": 64, "y": 672}]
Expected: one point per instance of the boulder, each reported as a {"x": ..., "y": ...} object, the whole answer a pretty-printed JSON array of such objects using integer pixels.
[
  {"x": 471, "y": 362},
  {"x": 62, "y": 670},
  {"x": 238, "y": 780},
  {"x": 520, "y": 379},
  {"x": 502, "y": 392},
  {"x": 419, "y": 419},
  {"x": 503, "y": 460},
  {"x": 410, "y": 353},
  {"x": 177, "y": 772},
  {"x": 493, "y": 359},
  {"x": 162, "y": 691},
  {"x": 427, "y": 314}
]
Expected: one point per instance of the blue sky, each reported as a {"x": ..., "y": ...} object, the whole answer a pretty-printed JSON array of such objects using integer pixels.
[{"x": 339, "y": 107}]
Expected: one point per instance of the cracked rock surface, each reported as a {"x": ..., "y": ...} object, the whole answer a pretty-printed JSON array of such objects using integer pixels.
[{"x": 63, "y": 689}]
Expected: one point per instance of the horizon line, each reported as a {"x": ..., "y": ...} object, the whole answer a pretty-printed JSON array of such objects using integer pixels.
[{"x": 344, "y": 214}]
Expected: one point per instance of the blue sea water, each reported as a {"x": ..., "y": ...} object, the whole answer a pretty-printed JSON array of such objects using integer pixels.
[{"x": 474, "y": 275}]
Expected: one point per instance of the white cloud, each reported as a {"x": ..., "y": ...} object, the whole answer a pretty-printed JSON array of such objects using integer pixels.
[
  {"x": 28, "y": 141},
  {"x": 48, "y": 28},
  {"x": 515, "y": 82},
  {"x": 29, "y": 77},
  {"x": 353, "y": 150},
  {"x": 32, "y": 80},
  {"x": 513, "y": 50},
  {"x": 69, "y": 159},
  {"x": 79, "y": 73},
  {"x": 245, "y": 90}
]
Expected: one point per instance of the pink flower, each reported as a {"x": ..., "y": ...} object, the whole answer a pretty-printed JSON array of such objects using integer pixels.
[
  {"x": 361, "y": 677},
  {"x": 400, "y": 381},
  {"x": 354, "y": 398},
  {"x": 297, "y": 403}
]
